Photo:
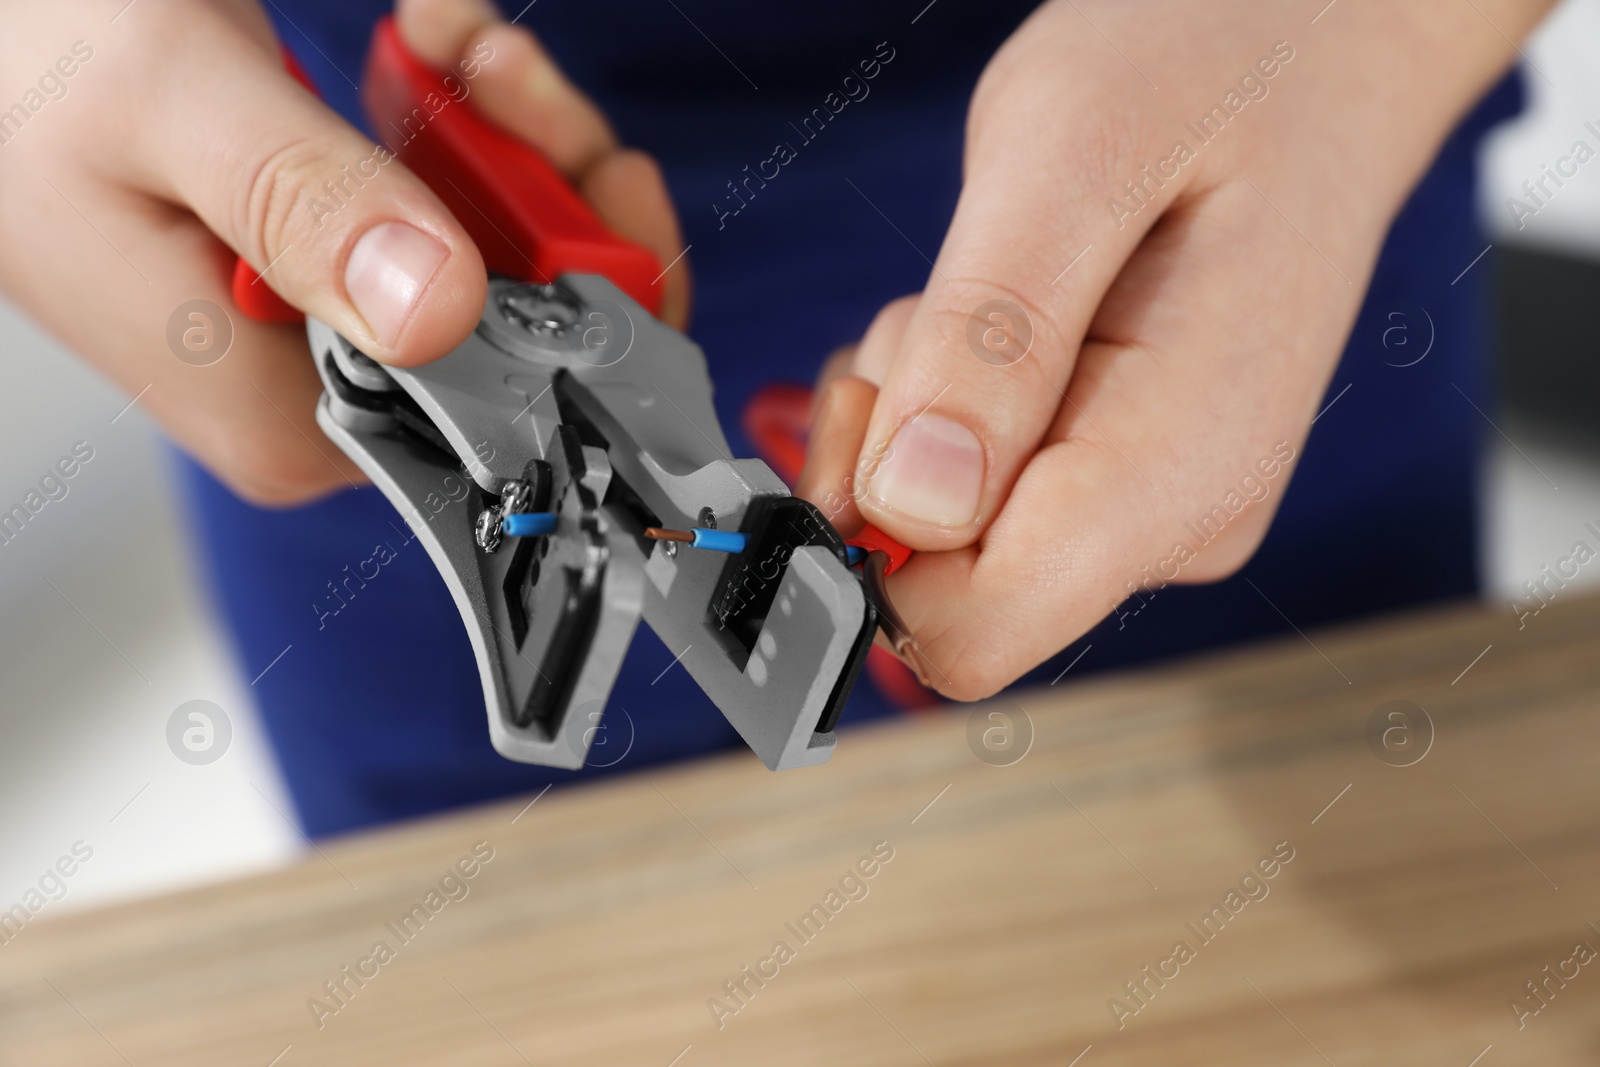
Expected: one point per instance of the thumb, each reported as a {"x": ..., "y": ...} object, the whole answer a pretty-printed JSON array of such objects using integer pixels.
[
  {"x": 973, "y": 378},
  {"x": 334, "y": 223}
]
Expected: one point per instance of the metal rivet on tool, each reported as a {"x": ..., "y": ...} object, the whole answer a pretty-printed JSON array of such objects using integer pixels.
[
  {"x": 488, "y": 529},
  {"x": 708, "y": 519}
]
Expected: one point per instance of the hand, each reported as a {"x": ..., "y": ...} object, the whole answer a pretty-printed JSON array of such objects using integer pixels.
[
  {"x": 152, "y": 142},
  {"x": 1132, "y": 319}
]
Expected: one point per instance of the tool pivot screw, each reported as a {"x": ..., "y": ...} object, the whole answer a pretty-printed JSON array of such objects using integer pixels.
[{"x": 542, "y": 310}]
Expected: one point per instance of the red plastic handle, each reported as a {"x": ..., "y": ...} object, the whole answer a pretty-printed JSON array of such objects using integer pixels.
[{"x": 525, "y": 218}]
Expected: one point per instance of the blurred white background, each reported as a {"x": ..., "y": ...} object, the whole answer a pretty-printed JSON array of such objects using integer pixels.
[
  {"x": 104, "y": 629},
  {"x": 85, "y": 698}
]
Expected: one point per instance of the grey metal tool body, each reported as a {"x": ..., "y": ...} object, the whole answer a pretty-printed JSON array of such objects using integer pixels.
[{"x": 570, "y": 398}]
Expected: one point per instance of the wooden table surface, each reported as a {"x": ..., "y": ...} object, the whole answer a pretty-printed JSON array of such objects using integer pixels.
[{"x": 1017, "y": 903}]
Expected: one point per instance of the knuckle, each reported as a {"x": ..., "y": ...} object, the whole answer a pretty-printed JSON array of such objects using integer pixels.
[
  {"x": 276, "y": 489},
  {"x": 880, "y": 344},
  {"x": 275, "y": 495},
  {"x": 269, "y": 470},
  {"x": 973, "y": 679},
  {"x": 643, "y": 165},
  {"x": 890, "y": 321},
  {"x": 1227, "y": 557},
  {"x": 278, "y": 179},
  {"x": 994, "y": 326}
]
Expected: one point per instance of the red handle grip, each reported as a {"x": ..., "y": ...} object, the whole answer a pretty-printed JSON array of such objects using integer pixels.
[{"x": 525, "y": 218}]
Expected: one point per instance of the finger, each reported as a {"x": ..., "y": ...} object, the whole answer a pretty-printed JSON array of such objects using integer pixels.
[
  {"x": 522, "y": 90},
  {"x": 442, "y": 32},
  {"x": 250, "y": 17},
  {"x": 828, "y": 480},
  {"x": 331, "y": 222},
  {"x": 240, "y": 397},
  {"x": 630, "y": 195},
  {"x": 881, "y": 343},
  {"x": 838, "y": 463},
  {"x": 987, "y": 353},
  {"x": 1147, "y": 477},
  {"x": 840, "y": 361}
]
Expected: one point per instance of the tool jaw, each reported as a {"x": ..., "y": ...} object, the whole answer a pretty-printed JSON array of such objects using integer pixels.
[{"x": 571, "y": 399}]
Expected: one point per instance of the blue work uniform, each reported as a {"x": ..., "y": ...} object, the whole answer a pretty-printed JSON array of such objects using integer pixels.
[{"x": 376, "y": 712}]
